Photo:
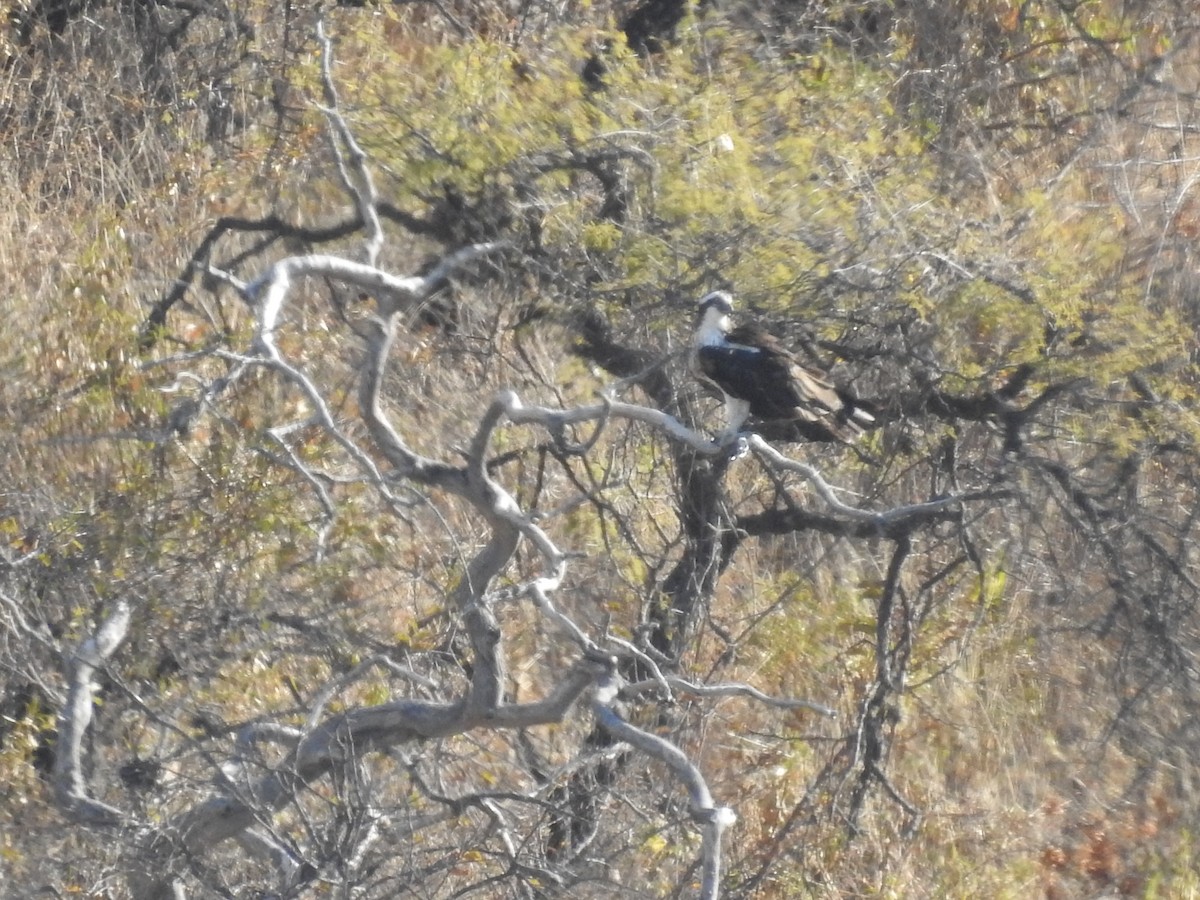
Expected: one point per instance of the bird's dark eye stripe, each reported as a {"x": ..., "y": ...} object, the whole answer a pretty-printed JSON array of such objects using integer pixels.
[{"x": 717, "y": 302}]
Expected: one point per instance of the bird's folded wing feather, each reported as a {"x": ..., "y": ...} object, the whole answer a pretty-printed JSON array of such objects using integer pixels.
[{"x": 814, "y": 391}]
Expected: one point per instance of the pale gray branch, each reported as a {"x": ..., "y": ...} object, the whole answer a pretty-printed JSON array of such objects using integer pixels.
[
  {"x": 298, "y": 466},
  {"x": 356, "y": 178},
  {"x": 325, "y": 749},
  {"x": 17, "y": 622},
  {"x": 553, "y": 419},
  {"x": 267, "y": 733},
  {"x": 724, "y": 689},
  {"x": 258, "y": 843},
  {"x": 339, "y": 684},
  {"x": 69, "y": 786},
  {"x": 712, "y": 819},
  {"x": 541, "y": 598},
  {"x": 881, "y": 519},
  {"x": 657, "y": 679}
]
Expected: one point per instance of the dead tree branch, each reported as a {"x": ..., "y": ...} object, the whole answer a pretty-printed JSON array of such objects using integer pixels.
[{"x": 69, "y": 785}]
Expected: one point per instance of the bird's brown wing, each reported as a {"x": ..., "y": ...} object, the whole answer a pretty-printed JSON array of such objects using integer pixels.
[{"x": 794, "y": 392}]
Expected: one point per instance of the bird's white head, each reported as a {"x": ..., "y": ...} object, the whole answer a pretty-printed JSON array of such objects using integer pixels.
[{"x": 712, "y": 319}]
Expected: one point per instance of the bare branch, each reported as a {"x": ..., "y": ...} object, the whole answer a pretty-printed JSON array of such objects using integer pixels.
[
  {"x": 558, "y": 418},
  {"x": 297, "y": 465},
  {"x": 329, "y": 746},
  {"x": 267, "y": 733},
  {"x": 69, "y": 786},
  {"x": 712, "y": 819},
  {"x": 357, "y": 178},
  {"x": 727, "y": 689}
]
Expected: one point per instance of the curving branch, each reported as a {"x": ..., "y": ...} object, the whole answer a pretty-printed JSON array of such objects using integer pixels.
[
  {"x": 272, "y": 229},
  {"x": 712, "y": 819},
  {"x": 70, "y": 787},
  {"x": 324, "y": 751},
  {"x": 355, "y": 174}
]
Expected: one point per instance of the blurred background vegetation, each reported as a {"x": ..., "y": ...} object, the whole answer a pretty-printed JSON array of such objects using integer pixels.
[{"x": 981, "y": 215}]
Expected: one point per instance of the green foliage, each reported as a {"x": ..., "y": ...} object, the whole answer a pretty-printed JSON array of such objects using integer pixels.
[
  {"x": 768, "y": 173},
  {"x": 750, "y": 167}
]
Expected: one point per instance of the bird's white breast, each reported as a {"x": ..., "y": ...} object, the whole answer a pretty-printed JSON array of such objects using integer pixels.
[{"x": 713, "y": 327}]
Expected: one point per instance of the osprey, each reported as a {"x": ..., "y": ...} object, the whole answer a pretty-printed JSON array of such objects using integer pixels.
[{"x": 759, "y": 377}]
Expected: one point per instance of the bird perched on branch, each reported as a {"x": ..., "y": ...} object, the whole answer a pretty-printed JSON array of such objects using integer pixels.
[{"x": 759, "y": 377}]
